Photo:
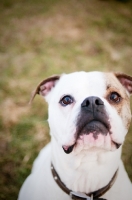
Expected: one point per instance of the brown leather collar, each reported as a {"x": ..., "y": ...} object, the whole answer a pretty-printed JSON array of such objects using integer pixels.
[{"x": 82, "y": 196}]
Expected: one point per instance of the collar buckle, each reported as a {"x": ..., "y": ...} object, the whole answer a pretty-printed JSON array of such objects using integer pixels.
[{"x": 80, "y": 195}]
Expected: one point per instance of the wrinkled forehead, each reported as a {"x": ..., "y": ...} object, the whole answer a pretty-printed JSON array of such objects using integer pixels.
[{"x": 91, "y": 83}]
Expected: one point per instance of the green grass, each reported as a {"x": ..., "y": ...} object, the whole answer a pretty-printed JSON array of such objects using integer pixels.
[{"x": 39, "y": 38}]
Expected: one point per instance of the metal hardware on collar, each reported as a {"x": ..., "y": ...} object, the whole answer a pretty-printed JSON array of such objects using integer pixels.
[
  {"x": 55, "y": 178},
  {"x": 81, "y": 195}
]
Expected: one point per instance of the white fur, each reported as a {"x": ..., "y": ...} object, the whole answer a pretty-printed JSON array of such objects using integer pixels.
[{"x": 92, "y": 164}]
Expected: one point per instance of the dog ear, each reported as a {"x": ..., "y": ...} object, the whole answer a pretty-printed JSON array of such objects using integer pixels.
[
  {"x": 126, "y": 81},
  {"x": 45, "y": 87}
]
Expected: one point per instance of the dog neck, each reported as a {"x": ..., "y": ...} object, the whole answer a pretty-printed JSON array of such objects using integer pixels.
[
  {"x": 78, "y": 195},
  {"x": 86, "y": 171}
]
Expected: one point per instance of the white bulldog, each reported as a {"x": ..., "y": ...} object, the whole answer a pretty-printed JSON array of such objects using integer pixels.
[{"x": 89, "y": 117}]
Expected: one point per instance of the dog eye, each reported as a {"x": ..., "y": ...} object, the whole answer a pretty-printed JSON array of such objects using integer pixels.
[
  {"x": 115, "y": 97},
  {"x": 66, "y": 100}
]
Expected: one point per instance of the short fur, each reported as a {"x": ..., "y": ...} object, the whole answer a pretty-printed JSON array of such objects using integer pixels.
[{"x": 94, "y": 160}]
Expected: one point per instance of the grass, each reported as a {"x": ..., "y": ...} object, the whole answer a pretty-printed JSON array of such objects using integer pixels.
[{"x": 39, "y": 38}]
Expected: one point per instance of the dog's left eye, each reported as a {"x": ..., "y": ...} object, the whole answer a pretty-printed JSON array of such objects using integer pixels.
[
  {"x": 115, "y": 97},
  {"x": 66, "y": 100}
]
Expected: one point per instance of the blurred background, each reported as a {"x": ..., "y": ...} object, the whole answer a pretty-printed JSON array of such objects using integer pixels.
[{"x": 39, "y": 38}]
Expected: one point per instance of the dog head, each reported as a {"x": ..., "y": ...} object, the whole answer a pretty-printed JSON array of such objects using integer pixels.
[{"x": 88, "y": 109}]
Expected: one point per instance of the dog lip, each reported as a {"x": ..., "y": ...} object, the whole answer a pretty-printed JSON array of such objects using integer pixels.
[
  {"x": 117, "y": 145},
  {"x": 68, "y": 149}
]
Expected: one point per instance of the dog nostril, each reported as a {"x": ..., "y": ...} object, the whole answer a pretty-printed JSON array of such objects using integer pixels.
[
  {"x": 99, "y": 102},
  {"x": 87, "y": 103}
]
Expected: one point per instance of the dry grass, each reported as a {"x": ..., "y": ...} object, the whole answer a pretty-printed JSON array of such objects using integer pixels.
[{"x": 39, "y": 38}]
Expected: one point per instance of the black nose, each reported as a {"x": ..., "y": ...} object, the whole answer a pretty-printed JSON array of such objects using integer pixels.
[{"x": 92, "y": 102}]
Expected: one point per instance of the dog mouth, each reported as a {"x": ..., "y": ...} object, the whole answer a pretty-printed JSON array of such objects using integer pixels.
[
  {"x": 68, "y": 149},
  {"x": 95, "y": 129}
]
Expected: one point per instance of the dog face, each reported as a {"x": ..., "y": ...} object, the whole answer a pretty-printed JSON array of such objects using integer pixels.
[{"x": 88, "y": 110}]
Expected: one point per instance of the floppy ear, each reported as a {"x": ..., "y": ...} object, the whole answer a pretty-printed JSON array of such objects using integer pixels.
[
  {"x": 126, "y": 81},
  {"x": 45, "y": 86}
]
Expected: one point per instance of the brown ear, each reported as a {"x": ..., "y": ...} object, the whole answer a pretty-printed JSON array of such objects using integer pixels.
[
  {"x": 45, "y": 86},
  {"x": 126, "y": 81}
]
